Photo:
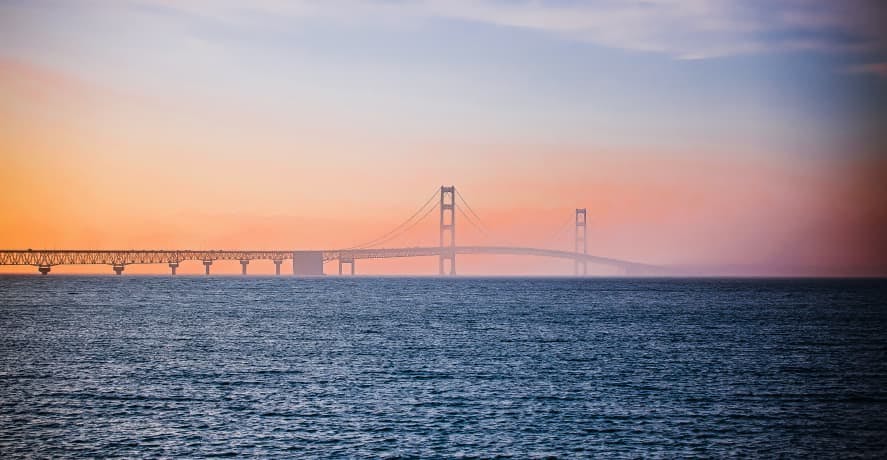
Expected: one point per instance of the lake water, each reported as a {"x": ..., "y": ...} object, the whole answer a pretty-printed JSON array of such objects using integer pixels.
[{"x": 374, "y": 367}]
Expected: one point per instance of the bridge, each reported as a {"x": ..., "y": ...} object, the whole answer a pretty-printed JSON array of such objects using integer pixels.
[{"x": 310, "y": 262}]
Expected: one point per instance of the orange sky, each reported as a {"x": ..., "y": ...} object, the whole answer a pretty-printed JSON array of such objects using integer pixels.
[{"x": 92, "y": 166}]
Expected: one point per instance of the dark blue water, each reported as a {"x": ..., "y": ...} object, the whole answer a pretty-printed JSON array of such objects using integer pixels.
[{"x": 282, "y": 367}]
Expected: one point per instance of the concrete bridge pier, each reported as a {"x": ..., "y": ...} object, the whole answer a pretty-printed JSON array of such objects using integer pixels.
[
  {"x": 277, "y": 263},
  {"x": 207, "y": 264},
  {"x": 346, "y": 261},
  {"x": 308, "y": 263},
  {"x": 243, "y": 264},
  {"x": 118, "y": 269},
  {"x": 173, "y": 266},
  {"x": 43, "y": 269}
]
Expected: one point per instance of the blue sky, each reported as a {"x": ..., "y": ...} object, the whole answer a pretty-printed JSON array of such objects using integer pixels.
[
  {"x": 713, "y": 107},
  {"x": 781, "y": 75}
]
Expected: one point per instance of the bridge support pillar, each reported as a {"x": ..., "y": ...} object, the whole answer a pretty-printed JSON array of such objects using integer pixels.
[
  {"x": 308, "y": 263},
  {"x": 43, "y": 269},
  {"x": 277, "y": 263},
  {"x": 447, "y": 229},
  {"x": 173, "y": 266},
  {"x": 207, "y": 264},
  {"x": 346, "y": 261},
  {"x": 118, "y": 269},
  {"x": 243, "y": 264},
  {"x": 581, "y": 243}
]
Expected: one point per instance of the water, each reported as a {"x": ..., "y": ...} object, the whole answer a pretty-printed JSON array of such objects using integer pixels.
[{"x": 281, "y": 367}]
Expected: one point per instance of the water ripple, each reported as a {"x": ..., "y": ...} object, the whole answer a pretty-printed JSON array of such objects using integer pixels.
[{"x": 281, "y": 367}]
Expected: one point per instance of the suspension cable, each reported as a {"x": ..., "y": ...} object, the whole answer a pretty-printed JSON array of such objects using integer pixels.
[
  {"x": 479, "y": 220},
  {"x": 468, "y": 218},
  {"x": 430, "y": 210},
  {"x": 557, "y": 235},
  {"x": 401, "y": 226}
]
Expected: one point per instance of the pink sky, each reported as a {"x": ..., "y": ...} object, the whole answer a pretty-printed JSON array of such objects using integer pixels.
[{"x": 212, "y": 150}]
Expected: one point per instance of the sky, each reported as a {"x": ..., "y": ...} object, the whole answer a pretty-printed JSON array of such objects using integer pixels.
[{"x": 721, "y": 137}]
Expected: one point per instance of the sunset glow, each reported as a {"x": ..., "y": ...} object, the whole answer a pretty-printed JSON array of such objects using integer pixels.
[{"x": 299, "y": 125}]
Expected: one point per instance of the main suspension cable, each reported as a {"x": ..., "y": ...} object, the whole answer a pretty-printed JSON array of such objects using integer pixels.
[
  {"x": 470, "y": 209},
  {"x": 557, "y": 236},
  {"x": 468, "y": 218},
  {"x": 430, "y": 210},
  {"x": 401, "y": 226}
]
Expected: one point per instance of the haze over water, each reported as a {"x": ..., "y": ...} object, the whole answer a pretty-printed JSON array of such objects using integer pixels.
[
  {"x": 711, "y": 138},
  {"x": 370, "y": 367},
  {"x": 726, "y": 137}
]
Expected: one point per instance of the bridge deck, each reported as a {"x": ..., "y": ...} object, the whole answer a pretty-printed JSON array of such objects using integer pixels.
[{"x": 44, "y": 257}]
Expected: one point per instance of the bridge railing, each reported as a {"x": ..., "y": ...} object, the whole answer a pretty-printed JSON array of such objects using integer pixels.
[
  {"x": 127, "y": 257},
  {"x": 46, "y": 258}
]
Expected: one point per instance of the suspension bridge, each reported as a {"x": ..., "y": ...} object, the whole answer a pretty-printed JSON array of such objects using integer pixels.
[{"x": 447, "y": 201}]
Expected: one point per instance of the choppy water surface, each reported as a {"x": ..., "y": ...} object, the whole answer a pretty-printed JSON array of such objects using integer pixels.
[{"x": 278, "y": 367}]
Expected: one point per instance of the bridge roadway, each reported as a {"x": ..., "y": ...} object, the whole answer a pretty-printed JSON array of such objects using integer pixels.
[{"x": 120, "y": 258}]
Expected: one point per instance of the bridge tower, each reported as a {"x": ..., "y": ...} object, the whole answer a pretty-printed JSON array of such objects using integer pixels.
[
  {"x": 448, "y": 228},
  {"x": 581, "y": 241}
]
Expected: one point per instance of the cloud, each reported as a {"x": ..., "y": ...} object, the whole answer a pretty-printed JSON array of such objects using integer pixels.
[
  {"x": 686, "y": 29},
  {"x": 875, "y": 68},
  {"x": 29, "y": 81}
]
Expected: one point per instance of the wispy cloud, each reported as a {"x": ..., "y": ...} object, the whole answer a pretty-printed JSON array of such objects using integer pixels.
[
  {"x": 876, "y": 68},
  {"x": 687, "y": 29}
]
